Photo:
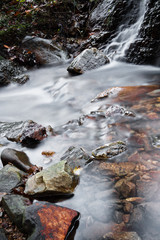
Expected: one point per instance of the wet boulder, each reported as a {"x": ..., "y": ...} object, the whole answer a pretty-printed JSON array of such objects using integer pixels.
[
  {"x": 87, "y": 60},
  {"x": 10, "y": 177},
  {"x": 11, "y": 72},
  {"x": 40, "y": 220},
  {"x": 109, "y": 150},
  {"x": 18, "y": 158},
  {"x": 76, "y": 157},
  {"x": 45, "y": 50},
  {"x": 27, "y": 133},
  {"x": 44, "y": 220},
  {"x": 56, "y": 179},
  {"x": 125, "y": 188}
]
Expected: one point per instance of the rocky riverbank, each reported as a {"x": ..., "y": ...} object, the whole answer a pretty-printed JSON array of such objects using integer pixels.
[
  {"x": 120, "y": 180},
  {"x": 112, "y": 190}
]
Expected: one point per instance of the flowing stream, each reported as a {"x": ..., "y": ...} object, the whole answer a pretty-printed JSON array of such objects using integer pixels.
[
  {"x": 52, "y": 97},
  {"x": 126, "y": 35}
]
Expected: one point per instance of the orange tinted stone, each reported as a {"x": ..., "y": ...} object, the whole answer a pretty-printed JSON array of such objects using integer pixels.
[
  {"x": 48, "y": 221},
  {"x": 129, "y": 93},
  {"x": 56, "y": 221}
]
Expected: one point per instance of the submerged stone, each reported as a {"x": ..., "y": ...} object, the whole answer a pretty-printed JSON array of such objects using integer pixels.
[
  {"x": 10, "y": 177},
  {"x": 102, "y": 210},
  {"x": 2, "y": 235},
  {"x": 28, "y": 133},
  {"x": 145, "y": 219},
  {"x": 18, "y": 158},
  {"x": 44, "y": 220},
  {"x": 87, "y": 60},
  {"x": 117, "y": 169},
  {"x": 109, "y": 150},
  {"x": 57, "y": 179}
]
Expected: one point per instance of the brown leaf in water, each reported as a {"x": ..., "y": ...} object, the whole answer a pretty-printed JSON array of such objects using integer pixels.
[{"x": 48, "y": 153}]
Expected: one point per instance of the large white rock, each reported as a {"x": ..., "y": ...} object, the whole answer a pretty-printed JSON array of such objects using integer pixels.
[
  {"x": 87, "y": 60},
  {"x": 58, "y": 178}
]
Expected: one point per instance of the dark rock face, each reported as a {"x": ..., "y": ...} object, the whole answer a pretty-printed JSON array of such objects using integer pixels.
[
  {"x": 106, "y": 13},
  {"x": 108, "y": 16},
  {"x": 10, "y": 177},
  {"x": 18, "y": 158},
  {"x": 87, "y": 60},
  {"x": 47, "y": 221},
  {"x": 76, "y": 157},
  {"x": 27, "y": 133},
  {"x": 2, "y": 235},
  {"x": 146, "y": 50},
  {"x": 10, "y": 72}
]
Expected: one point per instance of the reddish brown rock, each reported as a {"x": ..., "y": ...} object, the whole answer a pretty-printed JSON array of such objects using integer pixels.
[
  {"x": 129, "y": 93},
  {"x": 48, "y": 221},
  {"x": 130, "y": 169}
]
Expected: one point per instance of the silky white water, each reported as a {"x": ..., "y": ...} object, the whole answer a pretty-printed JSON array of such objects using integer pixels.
[{"x": 125, "y": 36}]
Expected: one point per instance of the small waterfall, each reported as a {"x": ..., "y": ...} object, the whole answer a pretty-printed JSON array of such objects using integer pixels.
[{"x": 126, "y": 35}]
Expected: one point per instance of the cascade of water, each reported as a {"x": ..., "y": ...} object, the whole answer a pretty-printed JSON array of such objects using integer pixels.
[{"x": 126, "y": 35}]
